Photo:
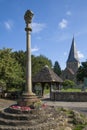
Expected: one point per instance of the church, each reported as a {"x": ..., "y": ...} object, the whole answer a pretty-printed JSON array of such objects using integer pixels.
[{"x": 72, "y": 64}]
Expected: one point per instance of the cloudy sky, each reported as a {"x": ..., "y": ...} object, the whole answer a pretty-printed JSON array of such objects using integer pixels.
[{"x": 54, "y": 24}]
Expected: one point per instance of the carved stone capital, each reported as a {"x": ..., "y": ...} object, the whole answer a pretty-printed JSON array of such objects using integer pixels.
[
  {"x": 28, "y": 29},
  {"x": 28, "y": 16}
]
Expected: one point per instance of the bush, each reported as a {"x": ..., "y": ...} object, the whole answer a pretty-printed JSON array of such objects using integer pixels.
[{"x": 68, "y": 84}]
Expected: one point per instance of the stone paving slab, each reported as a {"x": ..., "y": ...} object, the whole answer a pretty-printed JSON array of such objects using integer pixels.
[
  {"x": 4, "y": 103},
  {"x": 68, "y": 104},
  {"x": 79, "y": 106}
]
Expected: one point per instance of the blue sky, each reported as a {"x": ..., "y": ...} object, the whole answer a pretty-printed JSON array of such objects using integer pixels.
[{"x": 54, "y": 24}]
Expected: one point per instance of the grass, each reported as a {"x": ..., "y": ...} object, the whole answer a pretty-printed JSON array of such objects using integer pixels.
[
  {"x": 46, "y": 91},
  {"x": 71, "y": 90},
  {"x": 79, "y": 127},
  {"x": 69, "y": 114}
]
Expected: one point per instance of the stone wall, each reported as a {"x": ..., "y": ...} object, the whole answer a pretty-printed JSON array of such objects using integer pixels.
[{"x": 69, "y": 96}]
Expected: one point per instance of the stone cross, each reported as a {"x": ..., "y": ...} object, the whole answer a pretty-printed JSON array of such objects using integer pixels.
[
  {"x": 28, "y": 97},
  {"x": 28, "y": 19}
]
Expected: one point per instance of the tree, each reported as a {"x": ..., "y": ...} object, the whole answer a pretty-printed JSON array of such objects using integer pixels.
[
  {"x": 68, "y": 84},
  {"x": 10, "y": 71},
  {"x": 57, "y": 68},
  {"x": 82, "y": 71},
  {"x": 39, "y": 62},
  {"x": 20, "y": 57},
  {"x": 13, "y": 67}
]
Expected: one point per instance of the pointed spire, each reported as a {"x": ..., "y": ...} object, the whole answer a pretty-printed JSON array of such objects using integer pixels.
[{"x": 73, "y": 55}]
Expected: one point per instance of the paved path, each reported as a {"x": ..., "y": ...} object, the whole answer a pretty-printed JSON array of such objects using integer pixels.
[
  {"x": 66, "y": 104},
  {"x": 6, "y": 103},
  {"x": 79, "y": 106}
]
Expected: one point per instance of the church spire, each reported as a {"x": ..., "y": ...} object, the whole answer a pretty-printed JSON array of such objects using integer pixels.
[{"x": 73, "y": 56}]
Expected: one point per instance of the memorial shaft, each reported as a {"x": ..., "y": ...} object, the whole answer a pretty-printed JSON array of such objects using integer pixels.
[
  {"x": 28, "y": 97},
  {"x": 28, "y": 17}
]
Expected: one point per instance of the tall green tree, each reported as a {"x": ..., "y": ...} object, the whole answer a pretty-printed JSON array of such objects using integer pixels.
[
  {"x": 39, "y": 62},
  {"x": 13, "y": 67},
  {"x": 20, "y": 57},
  {"x": 10, "y": 70},
  {"x": 82, "y": 71},
  {"x": 57, "y": 68}
]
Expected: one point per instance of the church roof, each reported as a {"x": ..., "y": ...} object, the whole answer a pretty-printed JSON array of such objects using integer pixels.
[
  {"x": 70, "y": 70},
  {"x": 73, "y": 55},
  {"x": 46, "y": 75}
]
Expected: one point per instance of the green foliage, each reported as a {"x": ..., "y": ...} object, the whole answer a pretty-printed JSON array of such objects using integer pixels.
[
  {"x": 68, "y": 84},
  {"x": 70, "y": 89},
  {"x": 57, "y": 68},
  {"x": 2, "y": 84},
  {"x": 82, "y": 71},
  {"x": 10, "y": 70},
  {"x": 46, "y": 91},
  {"x": 79, "y": 127},
  {"x": 13, "y": 67},
  {"x": 20, "y": 57},
  {"x": 39, "y": 62}
]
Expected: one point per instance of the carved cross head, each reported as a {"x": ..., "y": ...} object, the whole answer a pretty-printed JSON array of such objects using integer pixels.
[{"x": 28, "y": 16}]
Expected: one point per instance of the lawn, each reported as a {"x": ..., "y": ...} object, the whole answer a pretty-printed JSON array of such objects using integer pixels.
[
  {"x": 71, "y": 90},
  {"x": 46, "y": 91}
]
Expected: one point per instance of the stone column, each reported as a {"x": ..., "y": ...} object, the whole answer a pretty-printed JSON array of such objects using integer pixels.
[
  {"x": 28, "y": 97},
  {"x": 28, "y": 18}
]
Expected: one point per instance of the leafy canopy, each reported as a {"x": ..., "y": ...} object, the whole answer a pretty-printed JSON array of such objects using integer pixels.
[
  {"x": 68, "y": 84},
  {"x": 82, "y": 71},
  {"x": 10, "y": 70},
  {"x": 57, "y": 68},
  {"x": 13, "y": 67}
]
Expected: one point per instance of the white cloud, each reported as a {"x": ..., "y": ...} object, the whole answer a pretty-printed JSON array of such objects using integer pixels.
[
  {"x": 34, "y": 49},
  {"x": 8, "y": 24},
  {"x": 80, "y": 55},
  {"x": 37, "y": 27},
  {"x": 63, "y": 24},
  {"x": 68, "y": 13}
]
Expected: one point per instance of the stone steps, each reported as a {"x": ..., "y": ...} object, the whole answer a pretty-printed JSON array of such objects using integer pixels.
[
  {"x": 11, "y": 124},
  {"x": 11, "y": 119},
  {"x": 2, "y": 127},
  {"x": 15, "y": 122},
  {"x": 11, "y": 116},
  {"x": 44, "y": 126},
  {"x": 21, "y": 121},
  {"x": 35, "y": 120}
]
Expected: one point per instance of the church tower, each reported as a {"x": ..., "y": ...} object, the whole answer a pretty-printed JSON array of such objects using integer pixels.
[{"x": 73, "y": 60}]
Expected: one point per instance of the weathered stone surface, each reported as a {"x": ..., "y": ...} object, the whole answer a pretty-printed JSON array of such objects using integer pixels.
[
  {"x": 69, "y": 96},
  {"x": 67, "y": 128},
  {"x": 49, "y": 118},
  {"x": 85, "y": 128}
]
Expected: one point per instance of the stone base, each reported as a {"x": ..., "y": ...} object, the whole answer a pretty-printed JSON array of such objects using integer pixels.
[{"x": 28, "y": 99}]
